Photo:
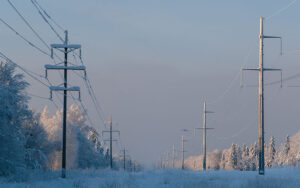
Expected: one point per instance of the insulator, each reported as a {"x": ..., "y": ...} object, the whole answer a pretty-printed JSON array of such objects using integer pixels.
[
  {"x": 281, "y": 79},
  {"x": 50, "y": 94},
  {"x": 84, "y": 74},
  {"x": 51, "y": 53},
  {"x": 281, "y": 53}
]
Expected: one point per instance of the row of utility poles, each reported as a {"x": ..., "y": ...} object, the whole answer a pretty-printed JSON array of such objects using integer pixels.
[
  {"x": 66, "y": 48},
  {"x": 204, "y": 129},
  {"x": 261, "y": 69}
]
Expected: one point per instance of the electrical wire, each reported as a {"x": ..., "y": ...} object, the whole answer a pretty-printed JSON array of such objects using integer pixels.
[
  {"x": 45, "y": 19},
  {"x": 281, "y": 10},
  {"x": 22, "y": 68},
  {"x": 21, "y": 36},
  {"x": 48, "y": 16},
  {"x": 27, "y": 23},
  {"x": 36, "y": 33}
]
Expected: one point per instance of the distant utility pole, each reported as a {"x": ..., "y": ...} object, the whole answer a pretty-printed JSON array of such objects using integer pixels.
[
  {"x": 182, "y": 152},
  {"x": 161, "y": 162},
  {"x": 167, "y": 159},
  {"x": 111, "y": 131},
  {"x": 65, "y": 48},
  {"x": 261, "y": 70},
  {"x": 173, "y": 156},
  {"x": 124, "y": 158},
  {"x": 204, "y": 128}
]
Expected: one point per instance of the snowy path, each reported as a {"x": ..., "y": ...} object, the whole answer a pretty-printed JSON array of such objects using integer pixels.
[{"x": 284, "y": 177}]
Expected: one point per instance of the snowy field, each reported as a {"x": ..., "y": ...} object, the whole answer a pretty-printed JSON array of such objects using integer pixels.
[{"x": 281, "y": 177}]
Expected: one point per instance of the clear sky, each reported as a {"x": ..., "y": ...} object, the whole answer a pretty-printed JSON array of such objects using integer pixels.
[{"x": 154, "y": 63}]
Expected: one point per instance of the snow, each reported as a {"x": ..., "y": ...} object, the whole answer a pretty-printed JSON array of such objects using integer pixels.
[{"x": 276, "y": 177}]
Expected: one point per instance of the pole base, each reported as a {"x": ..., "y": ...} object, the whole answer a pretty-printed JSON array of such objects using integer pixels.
[
  {"x": 63, "y": 173},
  {"x": 261, "y": 172}
]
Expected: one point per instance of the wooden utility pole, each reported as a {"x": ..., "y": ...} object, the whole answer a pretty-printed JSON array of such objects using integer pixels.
[
  {"x": 111, "y": 131},
  {"x": 173, "y": 156},
  {"x": 65, "y": 48},
  {"x": 124, "y": 157},
  {"x": 182, "y": 152},
  {"x": 261, "y": 70},
  {"x": 204, "y": 128}
]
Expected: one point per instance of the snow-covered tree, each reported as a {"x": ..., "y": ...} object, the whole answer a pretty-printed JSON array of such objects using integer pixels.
[
  {"x": 13, "y": 110},
  {"x": 84, "y": 149},
  {"x": 36, "y": 144},
  {"x": 253, "y": 157},
  {"x": 286, "y": 156},
  {"x": 270, "y": 153}
]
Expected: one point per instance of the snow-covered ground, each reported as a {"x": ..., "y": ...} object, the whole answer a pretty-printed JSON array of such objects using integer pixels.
[{"x": 278, "y": 177}]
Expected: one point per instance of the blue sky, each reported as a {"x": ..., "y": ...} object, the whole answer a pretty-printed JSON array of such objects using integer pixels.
[{"x": 153, "y": 63}]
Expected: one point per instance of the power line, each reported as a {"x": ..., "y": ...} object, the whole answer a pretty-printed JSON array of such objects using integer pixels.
[
  {"x": 45, "y": 19},
  {"x": 27, "y": 23},
  {"x": 87, "y": 82},
  {"x": 40, "y": 97},
  {"x": 21, "y": 36},
  {"x": 231, "y": 84},
  {"x": 281, "y": 10},
  {"x": 31, "y": 44},
  {"x": 47, "y": 15},
  {"x": 22, "y": 68}
]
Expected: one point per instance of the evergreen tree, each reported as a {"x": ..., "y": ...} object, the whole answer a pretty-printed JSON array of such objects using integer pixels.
[
  {"x": 13, "y": 110},
  {"x": 271, "y": 153},
  {"x": 232, "y": 157},
  {"x": 287, "y": 146},
  {"x": 245, "y": 158},
  {"x": 253, "y": 157}
]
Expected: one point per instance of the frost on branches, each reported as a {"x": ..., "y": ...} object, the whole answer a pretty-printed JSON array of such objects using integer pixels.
[
  {"x": 246, "y": 158},
  {"x": 84, "y": 149},
  {"x": 30, "y": 140},
  {"x": 22, "y": 139}
]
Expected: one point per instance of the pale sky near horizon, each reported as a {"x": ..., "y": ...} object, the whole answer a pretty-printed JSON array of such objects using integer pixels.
[{"x": 153, "y": 64}]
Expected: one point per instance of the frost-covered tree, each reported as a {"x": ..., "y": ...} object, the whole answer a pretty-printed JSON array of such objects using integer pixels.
[
  {"x": 271, "y": 153},
  {"x": 233, "y": 157},
  {"x": 253, "y": 157},
  {"x": 287, "y": 146},
  {"x": 36, "y": 144},
  {"x": 84, "y": 149},
  {"x": 13, "y": 111},
  {"x": 286, "y": 155},
  {"x": 22, "y": 139},
  {"x": 245, "y": 161}
]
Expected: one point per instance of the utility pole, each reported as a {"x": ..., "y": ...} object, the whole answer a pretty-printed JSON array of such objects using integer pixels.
[
  {"x": 65, "y": 48},
  {"x": 167, "y": 159},
  {"x": 173, "y": 156},
  {"x": 111, "y": 131},
  {"x": 261, "y": 70},
  {"x": 124, "y": 157},
  {"x": 182, "y": 152},
  {"x": 204, "y": 128}
]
